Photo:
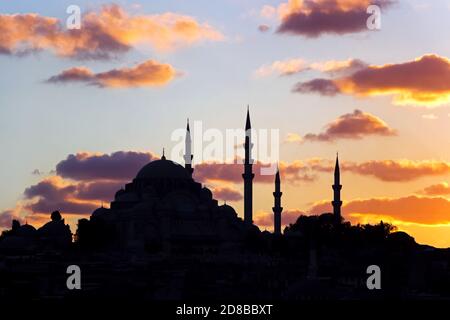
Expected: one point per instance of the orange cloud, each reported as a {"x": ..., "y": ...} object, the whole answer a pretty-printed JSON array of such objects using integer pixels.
[
  {"x": 294, "y": 66},
  {"x": 268, "y": 12},
  {"x": 293, "y": 138},
  {"x": 399, "y": 170},
  {"x": 103, "y": 34},
  {"x": 387, "y": 170},
  {"x": 402, "y": 170},
  {"x": 423, "y": 81},
  {"x": 285, "y": 67},
  {"x": 339, "y": 66},
  {"x": 227, "y": 194},
  {"x": 354, "y": 125},
  {"x": 410, "y": 209},
  {"x": 265, "y": 219},
  {"x": 147, "y": 74},
  {"x": 439, "y": 189},
  {"x": 39, "y": 219}
]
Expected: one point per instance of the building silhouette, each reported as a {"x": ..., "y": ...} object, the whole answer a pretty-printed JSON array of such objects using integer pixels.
[
  {"x": 337, "y": 203},
  {"x": 188, "y": 156},
  {"x": 163, "y": 208},
  {"x": 248, "y": 174},
  {"x": 165, "y": 237},
  {"x": 54, "y": 234},
  {"x": 277, "y": 208}
]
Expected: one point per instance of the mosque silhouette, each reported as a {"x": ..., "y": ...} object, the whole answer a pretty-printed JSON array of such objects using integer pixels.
[{"x": 164, "y": 237}]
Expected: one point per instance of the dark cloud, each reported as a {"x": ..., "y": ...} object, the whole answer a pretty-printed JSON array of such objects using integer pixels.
[
  {"x": 291, "y": 172},
  {"x": 83, "y": 180},
  {"x": 55, "y": 194},
  {"x": 120, "y": 165},
  {"x": 98, "y": 190},
  {"x": 6, "y": 218},
  {"x": 316, "y": 23},
  {"x": 49, "y": 189},
  {"x": 44, "y": 205},
  {"x": 323, "y": 86},
  {"x": 263, "y": 28},
  {"x": 314, "y": 18}
]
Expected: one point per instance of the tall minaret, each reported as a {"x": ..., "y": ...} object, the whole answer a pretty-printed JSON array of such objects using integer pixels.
[
  {"x": 337, "y": 203},
  {"x": 248, "y": 174},
  {"x": 188, "y": 152},
  {"x": 277, "y": 208}
]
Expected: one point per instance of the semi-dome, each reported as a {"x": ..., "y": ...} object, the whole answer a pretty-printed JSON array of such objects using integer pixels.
[
  {"x": 100, "y": 211},
  {"x": 206, "y": 193},
  {"x": 26, "y": 230},
  {"x": 55, "y": 228},
  {"x": 119, "y": 193},
  {"x": 162, "y": 169},
  {"x": 226, "y": 209}
]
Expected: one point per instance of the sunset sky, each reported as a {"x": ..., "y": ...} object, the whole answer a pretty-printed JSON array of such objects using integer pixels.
[{"x": 81, "y": 111}]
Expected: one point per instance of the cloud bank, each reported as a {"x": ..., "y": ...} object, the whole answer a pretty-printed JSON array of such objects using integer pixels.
[
  {"x": 424, "y": 81},
  {"x": 104, "y": 34}
]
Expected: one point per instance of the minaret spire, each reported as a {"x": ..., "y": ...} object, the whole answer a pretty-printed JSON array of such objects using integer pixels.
[
  {"x": 248, "y": 175},
  {"x": 163, "y": 155},
  {"x": 337, "y": 203},
  {"x": 188, "y": 156},
  {"x": 277, "y": 208},
  {"x": 248, "y": 125}
]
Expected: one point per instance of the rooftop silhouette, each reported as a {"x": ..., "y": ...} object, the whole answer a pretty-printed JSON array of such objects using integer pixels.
[{"x": 179, "y": 243}]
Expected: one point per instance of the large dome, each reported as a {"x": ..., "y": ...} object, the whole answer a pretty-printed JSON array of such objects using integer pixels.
[{"x": 162, "y": 169}]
